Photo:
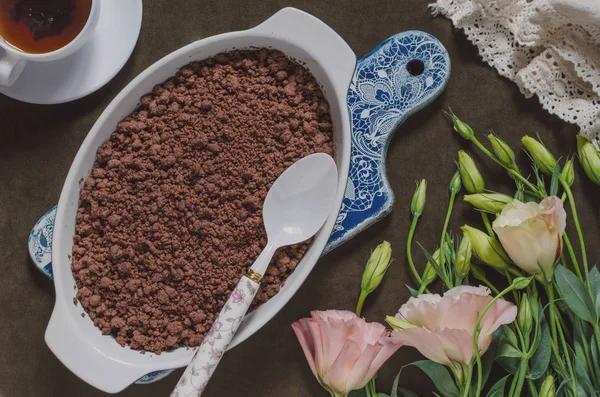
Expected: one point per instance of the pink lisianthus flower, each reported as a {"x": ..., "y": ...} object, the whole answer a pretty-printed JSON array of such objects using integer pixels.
[
  {"x": 344, "y": 351},
  {"x": 442, "y": 327}
]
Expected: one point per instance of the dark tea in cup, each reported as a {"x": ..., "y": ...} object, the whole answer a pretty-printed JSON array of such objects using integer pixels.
[{"x": 42, "y": 26}]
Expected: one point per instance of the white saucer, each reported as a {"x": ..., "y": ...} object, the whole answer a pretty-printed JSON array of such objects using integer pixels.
[{"x": 91, "y": 67}]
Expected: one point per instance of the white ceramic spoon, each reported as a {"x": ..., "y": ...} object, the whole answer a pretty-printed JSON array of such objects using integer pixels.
[{"x": 296, "y": 207}]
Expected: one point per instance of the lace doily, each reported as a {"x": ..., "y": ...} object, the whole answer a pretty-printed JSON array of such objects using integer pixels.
[{"x": 549, "y": 48}]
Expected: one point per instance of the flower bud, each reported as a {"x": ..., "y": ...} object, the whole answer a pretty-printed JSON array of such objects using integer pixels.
[
  {"x": 568, "y": 173},
  {"x": 376, "y": 267},
  {"x": 463, "y": 129},
  {"x": 487, "y": 249},
  {"x": 398, "y": 324},
  {"x": 503, "y": 152},
  {"x": 488, "y": 202},
  {"x": 478, "y": 273},
  {"x": 463, "y": 257},
  {"x": 589, "y": 159},
  {"x": 469, "y": 173},
  {"x": 429, "y": 273},
  {"x": 455, "y": 183},
  {"x": 548, "y": 388},
  {"x": 524, "y": 318},
  {"x": 521, "y": 282},
  {"x": 540, "y": 155},
  {"x": 418, "y": 201}
]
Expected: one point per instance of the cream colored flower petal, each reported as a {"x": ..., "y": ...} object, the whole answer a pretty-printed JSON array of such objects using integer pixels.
[
  {"x": 501, "y": 313},
  {"x": 302, "y": 331},
  {"x": 359, "y": 376},
  {"x": 368, "y": 333},
  {"x": 335, "y": 327},
  {"x": 462, "y": 312},
  {"x": 515, "y": 213},
  {"x": 553, "y": 213},
  {"x": 457, "y": 344},
  {"x": 337, "y": 375},
  {"x": 389, "y": 346},
  {"x": 319, "y": 345},
  {"x": 333, "y": 315},
  {"x": 426, "y": 342},
  {"x": 457, "y": 291},
  {"x": 421, "y": 311},
  {"x": 520, "y": 243}
]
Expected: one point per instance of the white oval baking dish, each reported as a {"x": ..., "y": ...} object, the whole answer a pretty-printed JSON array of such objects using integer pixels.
[
  {"x": 368, "y": 101},
  {"x": 96, "y": 358}
]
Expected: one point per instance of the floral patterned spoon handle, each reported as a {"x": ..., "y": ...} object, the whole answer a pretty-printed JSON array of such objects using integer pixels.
[
  {"x": 205, "y": 361},
  {"x": 296, "y": 207}
]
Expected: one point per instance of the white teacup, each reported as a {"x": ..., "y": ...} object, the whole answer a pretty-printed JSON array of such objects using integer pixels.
[{"x": 13, "y": 61}]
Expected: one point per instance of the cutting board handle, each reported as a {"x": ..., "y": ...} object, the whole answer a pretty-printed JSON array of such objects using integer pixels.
[{"x": 401, "y": 76}]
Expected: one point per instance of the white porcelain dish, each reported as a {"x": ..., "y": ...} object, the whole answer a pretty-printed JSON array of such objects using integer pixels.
[{"x": 74, "y": 339}]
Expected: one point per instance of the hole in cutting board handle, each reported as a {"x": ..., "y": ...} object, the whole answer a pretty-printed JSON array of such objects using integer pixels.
[{"x": 415, "y": 67}]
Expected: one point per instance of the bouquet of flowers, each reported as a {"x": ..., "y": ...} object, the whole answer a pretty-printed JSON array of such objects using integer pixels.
[{"x": 540, "y": 326}]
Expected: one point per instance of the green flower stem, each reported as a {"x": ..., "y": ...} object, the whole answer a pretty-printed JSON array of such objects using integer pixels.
[
  {"x": 466, "y": 387},
  {"x": 588, "y": 358},
  {"x": 515, "y": 294},
  {"x": 517, "y": 384},
  {"x": 370, "y": 388},
  {"x": 411, "y": 263},
  {"x": 524, "y": 342},
  {"x": 488, "y": 225},
  {"x": 478, "y": 331},
  {"x": 532, "y": 390},
  {"x": 569, "y": 193},
  {"x": 596, "y": 333},
  {"x": 563, "y": 325},
  {"x": 361, "y": 301},
  {"x": 553, "y": 329},
  {"x": 445, "y": 228},
  {"x": 423, "y": 288},
  {"x": 572, "y": 255},
  {"x": 561, "y": 337}
]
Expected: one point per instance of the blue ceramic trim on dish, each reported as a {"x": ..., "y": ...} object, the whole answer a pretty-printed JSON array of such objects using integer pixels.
[
  {"x": 383, "y": 93},
  {"x": 401, "y": 76}
]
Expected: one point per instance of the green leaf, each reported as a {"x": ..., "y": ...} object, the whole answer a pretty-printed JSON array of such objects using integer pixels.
[
  {"x": 595, "y": 364},
  {"x": 413, "y": 292},
  {"x": 358, "y": 393},
  {"x": 510, "y": 335},
  {"x": 554, "y": 182},
  {"x": 434, "y": 264},
  {"x": 541, "y": 358},
  {"x": 382, "y": 395},
  {"x": 507, "y": 350},
  {"x": 510, "y": 364},
  {"x": 395, "y": 384},
  {"x": 440, "y": 376},
  {"x": 595, "y": 283},
  {"x": 498, "y": 389},
  {"x": 575, "y": 294},
  {"x": 583, "y": 378},
  {"x": 406, "y": 392}
]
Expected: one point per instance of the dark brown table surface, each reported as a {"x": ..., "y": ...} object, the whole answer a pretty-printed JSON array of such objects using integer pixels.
[{"x": 38, "y": 143}]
